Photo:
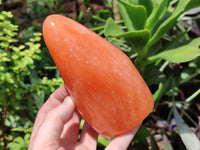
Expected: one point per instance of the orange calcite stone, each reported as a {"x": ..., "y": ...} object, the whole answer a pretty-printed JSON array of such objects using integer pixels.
[{"x": 107, "y": 89}]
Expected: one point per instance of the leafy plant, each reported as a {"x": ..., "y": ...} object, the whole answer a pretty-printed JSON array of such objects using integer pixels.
[
  {"x": 144, "y": 30},
  {"x": 22, "y": 92},
  {"x": 40, "y": 9},
  {"x": 20, "y": 143}
]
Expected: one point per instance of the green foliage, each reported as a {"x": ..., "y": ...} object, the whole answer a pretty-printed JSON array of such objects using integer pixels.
[
  {"x": 20, "y": 143},
  {"x": 140, "y": 139},
  {"x": 86, "y": 2},
  {"x": 134, "y": 16},
  {"x": 22, "y": 91},
  {"x": 190, "y": 140},
  {"x": 138, "y": 39},
  {"x": 181, "y": 52},
  {"x": 159, "y": 10},
  {"x": 143, "y": 31},
  {"x": 170, "y": 21},
  {"x": 40, "y": 9}
]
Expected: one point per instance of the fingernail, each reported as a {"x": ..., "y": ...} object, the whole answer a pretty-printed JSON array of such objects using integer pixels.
[{"x": 68, "y": 100}]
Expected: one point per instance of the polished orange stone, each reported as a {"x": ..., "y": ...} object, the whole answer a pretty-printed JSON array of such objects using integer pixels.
[{"x": 107, "y": 89}]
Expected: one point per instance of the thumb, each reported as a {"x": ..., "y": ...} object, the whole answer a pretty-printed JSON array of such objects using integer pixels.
[{"x": 55, "y": 119}]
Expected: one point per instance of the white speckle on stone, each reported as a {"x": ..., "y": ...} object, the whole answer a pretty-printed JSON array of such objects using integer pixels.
[{"x": 52, "y": 23}]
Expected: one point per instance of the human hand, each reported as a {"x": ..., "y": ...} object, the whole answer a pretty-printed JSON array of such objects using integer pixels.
[{"x": 57, "y": 127}]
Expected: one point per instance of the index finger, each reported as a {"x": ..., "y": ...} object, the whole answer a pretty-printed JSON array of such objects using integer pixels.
[
  {"x": 54, "y": 100},
  {"x": 121, "y": 142}
]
